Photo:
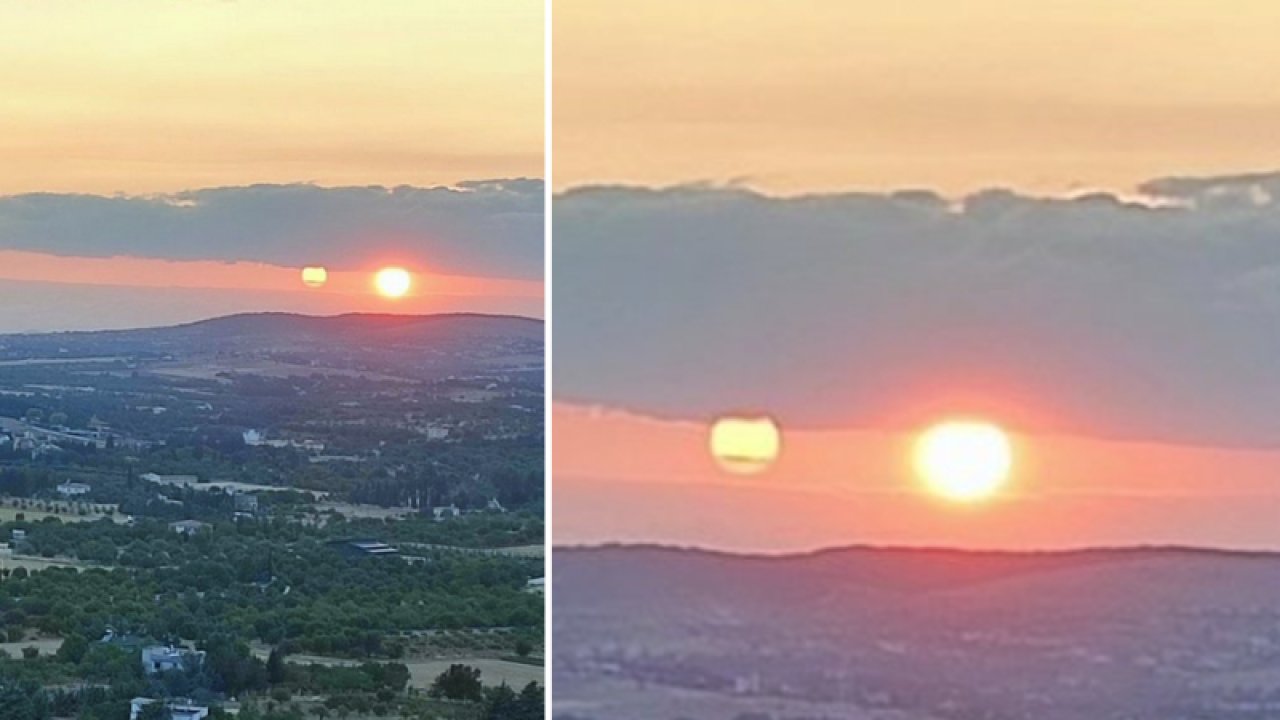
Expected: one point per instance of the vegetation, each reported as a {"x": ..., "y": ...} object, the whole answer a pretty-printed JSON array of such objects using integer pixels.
[{"x": 365, "y": 440}]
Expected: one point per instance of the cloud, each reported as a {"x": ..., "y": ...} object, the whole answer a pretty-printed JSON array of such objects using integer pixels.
[
  {"x": 489, "y": 228},
  {"x": 1157, "y": 319}
]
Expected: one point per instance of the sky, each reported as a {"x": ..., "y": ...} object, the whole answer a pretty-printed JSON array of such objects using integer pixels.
[
  {"x": 165, "y": 162},
  {"x": 794, "y": 96},
  {"x": 861, "y": 220}
]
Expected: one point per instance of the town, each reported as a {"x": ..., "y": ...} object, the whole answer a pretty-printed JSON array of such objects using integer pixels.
[
  {"x": 904, "y": 634},
  {"x": 273, "y": 516}
]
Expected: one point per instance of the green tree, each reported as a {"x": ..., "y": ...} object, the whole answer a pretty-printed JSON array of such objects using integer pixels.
[
  {"x": 501, "y": 703},
  {"x": 531, "y": 703},
  {"x": 459, "y": 682},
  {"x": 73, "y": 649},
  {"x": 275, "y": 666}
]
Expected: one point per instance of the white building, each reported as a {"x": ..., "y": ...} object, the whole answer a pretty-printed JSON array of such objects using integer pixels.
[
  {"x": 445, "y": 511},
  {"x": 175, "y": 480},
  {"x": 73, "y": 489},
  {"x": 163, "y": 658},
  {"x": 187, "y": 527},
  {"x": 178, "y": 709}
]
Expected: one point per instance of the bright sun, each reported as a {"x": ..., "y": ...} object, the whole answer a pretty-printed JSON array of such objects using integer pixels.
[
  {"x": 745, "y": 445},
  {"x": 392, "y": 282},
  {"x": 965, "y": 461}
]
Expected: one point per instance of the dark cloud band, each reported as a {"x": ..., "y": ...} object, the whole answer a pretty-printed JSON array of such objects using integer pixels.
[
  {"x": 489, "y": 228},
  {"x": 1154, "y": 319}
]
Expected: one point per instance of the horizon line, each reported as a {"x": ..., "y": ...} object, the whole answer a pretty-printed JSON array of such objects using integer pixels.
[
  {"x": 1142, "y": 548},
  {"x": 285, "y": 313}
]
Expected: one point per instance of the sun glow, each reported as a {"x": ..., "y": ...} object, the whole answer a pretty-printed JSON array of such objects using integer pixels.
[
  {"x": 964, "y": 461},
  {"x": 392, "y": 282},
  {"x": 745, "y": 445},
  {"x": 314, "y": 276}
]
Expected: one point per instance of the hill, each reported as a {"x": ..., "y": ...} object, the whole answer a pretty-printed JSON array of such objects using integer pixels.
[
  {"x": 392, "y": 346},
  {"x": 869, "y": 632}
]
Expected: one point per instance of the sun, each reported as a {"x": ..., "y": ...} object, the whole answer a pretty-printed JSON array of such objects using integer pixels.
[
  {"x": 314, "y": 276},
  {"x": 964, "y": 461},
  {"x": 392, "y": 282},
  {"x": 745, "y": 445}
]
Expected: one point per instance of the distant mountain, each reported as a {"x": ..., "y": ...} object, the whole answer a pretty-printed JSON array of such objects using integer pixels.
[
  {"x": 1064, "y": 635},
  {"x": 366, "y": 323},
  {"x": 279, "y": 324},
  {"x": 409, "y": 346}
]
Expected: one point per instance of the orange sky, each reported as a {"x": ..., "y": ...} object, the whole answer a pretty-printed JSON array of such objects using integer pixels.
[
  {"x": 131, "y": 292},
  {"x": 157, "y": 273},
  {"x": 623, "y": 477},
  {"x": 145, "y": 96},
  {"x": 804, "y": 95},
  {"x": 138, "y": 98}
]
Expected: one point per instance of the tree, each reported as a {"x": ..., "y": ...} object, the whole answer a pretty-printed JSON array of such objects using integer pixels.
[
  {"x": 275, "y": 666},
  {"x": 501, "y": 703},
  {"x": 532, "y": 702},
  {"x": 22, "y": 703},
  {"x": 459, "y": 682},
  {"x": 73, "y": 649},
  {"x": 523, "y": 647}
]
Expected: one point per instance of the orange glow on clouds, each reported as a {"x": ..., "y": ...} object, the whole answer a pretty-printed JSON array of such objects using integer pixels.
[
  {"x": 314, "y": 276},
  {"x": 745, "y": 445},
  {"x": 341, "y": 290},
  {"x": 622, "y": 477}
]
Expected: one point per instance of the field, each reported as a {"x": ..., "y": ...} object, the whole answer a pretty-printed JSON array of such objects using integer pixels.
[
  {"x": 25, "y": 362},
  {"x": 9, "y": 561},
  {"x": 9, "y": 514},
  {"x": 46, "y": 646},
  {"x": 492, "y": 672},
  {"x": 204, "y": 370},
  {"x": 630, "y": 700},
  {"x": 423, "y": 672},
  {"x": 357, "y": 510},
  {"x": 242, "y": 487},
  {"x": 528, "y": 551}
]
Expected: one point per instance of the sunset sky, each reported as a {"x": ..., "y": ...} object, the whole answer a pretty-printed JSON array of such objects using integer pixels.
[
  {"x": 172, "y": 161},
  {"x": 863, "y": 219},
  {"x": 796, "y": 96}
]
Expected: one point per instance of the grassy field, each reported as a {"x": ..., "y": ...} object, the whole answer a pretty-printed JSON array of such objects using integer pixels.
[
  {"x": 356, "y": 510},
  {"x": 422, "y": 672},
  {"x": 533, "y": 551},
  {"x": 628, "y": 700},
  {"x": 8, "y": 513},
  {"x": 46, "y": 646},
  {"x": 9, "y": 561}
]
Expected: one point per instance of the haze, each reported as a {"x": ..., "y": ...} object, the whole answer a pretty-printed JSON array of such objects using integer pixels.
[
  {"x": 169, "y": 162},
  {"x": 830, "y": 95}
]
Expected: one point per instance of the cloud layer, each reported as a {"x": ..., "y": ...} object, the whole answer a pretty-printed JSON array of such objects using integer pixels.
[
  {"x": 486, "y": 228},
  {"x": 1155, "y": 319}
]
